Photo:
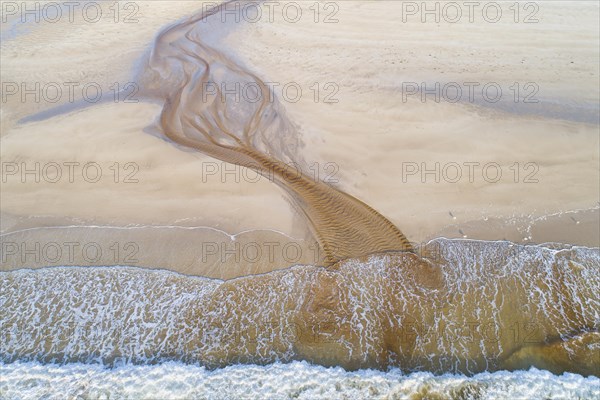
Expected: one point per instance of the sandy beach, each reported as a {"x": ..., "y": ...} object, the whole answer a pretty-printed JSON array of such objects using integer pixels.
[
  {"x": 300, "y": 200},
  {"x": 430, "y": 167}
]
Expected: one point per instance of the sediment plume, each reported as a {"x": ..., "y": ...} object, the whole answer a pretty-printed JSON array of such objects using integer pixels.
[{"x": 254, "y": 134}]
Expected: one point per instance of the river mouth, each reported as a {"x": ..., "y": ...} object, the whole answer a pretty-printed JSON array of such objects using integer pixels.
[{"x": 253, "y": 198}]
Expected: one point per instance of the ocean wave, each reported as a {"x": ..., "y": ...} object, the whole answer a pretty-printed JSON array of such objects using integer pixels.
[
  {"x": 481, "y": 306},
  {"x": 296, "y": 380}
]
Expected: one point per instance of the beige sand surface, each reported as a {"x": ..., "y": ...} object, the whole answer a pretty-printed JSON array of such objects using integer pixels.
[
  {"x": 371, "y": 131},
  {"x": 367, "y": 135},
  {"x": 102, "y": 52},
  {"x": 194, "y": 251},
  {"x": 213, "y": 253}
]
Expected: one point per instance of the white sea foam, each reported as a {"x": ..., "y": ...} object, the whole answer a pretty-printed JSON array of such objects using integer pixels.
[
  {"x": 371, "y": 313},
  {"x": 296, "y": 380}
]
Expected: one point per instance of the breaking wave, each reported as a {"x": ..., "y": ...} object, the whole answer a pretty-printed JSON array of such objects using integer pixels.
[{"x": 482, "y": 306}]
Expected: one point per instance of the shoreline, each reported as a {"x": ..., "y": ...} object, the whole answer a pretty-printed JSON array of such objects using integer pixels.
[{"x": 213, "y": 253}]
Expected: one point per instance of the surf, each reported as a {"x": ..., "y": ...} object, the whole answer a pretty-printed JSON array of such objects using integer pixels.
[{"x": 476, "y": 310}]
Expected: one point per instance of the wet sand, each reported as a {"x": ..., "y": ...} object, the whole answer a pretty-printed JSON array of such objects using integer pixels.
[
  {"x": 203, "y": 251},
  {"x": 370, "y": 135}
]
